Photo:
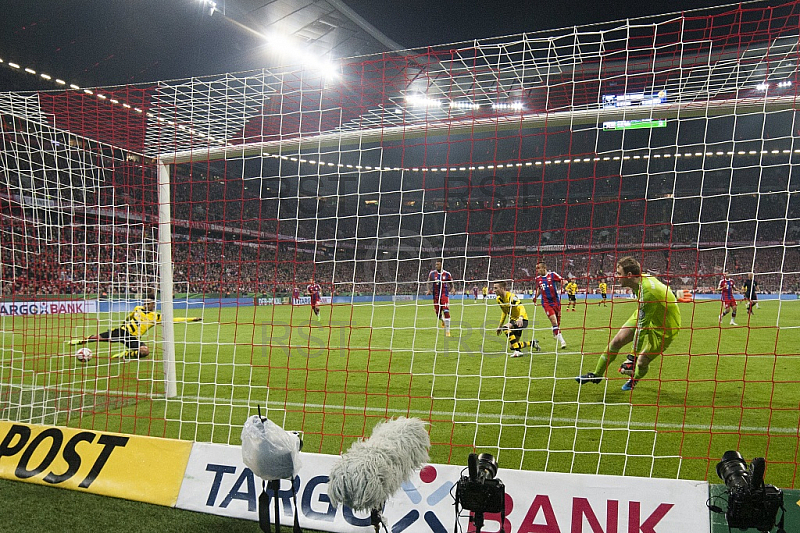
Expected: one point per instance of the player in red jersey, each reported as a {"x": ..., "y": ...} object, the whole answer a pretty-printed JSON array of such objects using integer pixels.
[
  {"x": 314, "y": 291},
  {"x": 474, "y": 292},
  {"x": 728, "y": 288},
  {"x": 295, "y": 294},
  {"x": 549, "y": 285},
  {"x": 439, "y": 281}
]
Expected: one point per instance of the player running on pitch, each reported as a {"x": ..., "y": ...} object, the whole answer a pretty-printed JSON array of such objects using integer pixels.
[
  {"x": 652, "y": 327},
  {"x": 602, "y": 287},
  {"x": 513, "y": 321},
  {"x": 549, "y": 285},
  {"x": 750, "y": 295},
  {"x": 314, "y": 290},
  {"x": 134, "y": 326},
  {"x": 572, "y": 289},
  {"x": 728, "y": 288},
  {"x": 440, "y": 281}
]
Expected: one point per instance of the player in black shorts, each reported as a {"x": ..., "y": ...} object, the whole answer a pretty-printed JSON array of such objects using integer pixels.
[
  {"x": 134, "y": 326},
  {"x": 749, "y": 290},
  {"x": 122, "y": 335},
  {"x": 571, "y": 289}
]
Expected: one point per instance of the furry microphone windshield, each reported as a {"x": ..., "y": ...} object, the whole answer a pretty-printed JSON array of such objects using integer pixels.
[{"x": 373, "y": 469}]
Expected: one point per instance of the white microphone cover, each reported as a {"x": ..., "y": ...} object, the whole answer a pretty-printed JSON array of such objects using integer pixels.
[{"x": 373, "y": 469}]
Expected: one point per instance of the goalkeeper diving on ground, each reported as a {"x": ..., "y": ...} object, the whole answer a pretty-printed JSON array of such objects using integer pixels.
[{"x": 133, "y": 327}]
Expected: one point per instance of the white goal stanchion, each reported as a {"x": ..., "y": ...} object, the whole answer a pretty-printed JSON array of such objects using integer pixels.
[{"x": 166, "y": 280}]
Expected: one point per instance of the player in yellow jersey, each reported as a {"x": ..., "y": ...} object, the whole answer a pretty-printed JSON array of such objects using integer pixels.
[
  {"x": 485, "y": 291},
  {"x": 603, "y": 288},
  {"x": 514, "y": 319},
  {"x": 572, "y": 289},
  {"x": 136, "y": 323}
]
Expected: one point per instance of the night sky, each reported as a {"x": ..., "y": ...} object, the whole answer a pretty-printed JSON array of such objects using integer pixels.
[{"x": 102, "y": 42}]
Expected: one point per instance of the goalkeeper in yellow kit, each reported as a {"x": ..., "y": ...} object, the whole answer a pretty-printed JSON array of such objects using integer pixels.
[
  {"x": 652, "y": 327},
  {"x": 134, "y": 326}
]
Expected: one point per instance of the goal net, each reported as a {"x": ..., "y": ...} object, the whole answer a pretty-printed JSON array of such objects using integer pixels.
[
  {"x": 77, "y": 253},
  {"x": 302, "y": 216}
]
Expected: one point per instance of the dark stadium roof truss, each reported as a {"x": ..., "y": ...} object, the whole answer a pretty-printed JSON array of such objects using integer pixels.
[{"x": 557, "y": 79}]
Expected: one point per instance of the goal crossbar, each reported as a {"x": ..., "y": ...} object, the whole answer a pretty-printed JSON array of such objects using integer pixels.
[{"x": 525, "y": 121}]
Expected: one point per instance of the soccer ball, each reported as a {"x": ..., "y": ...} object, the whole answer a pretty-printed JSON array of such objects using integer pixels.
[{"x": 83, "y": 355}]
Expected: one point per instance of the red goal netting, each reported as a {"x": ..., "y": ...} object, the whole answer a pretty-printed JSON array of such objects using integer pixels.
[{"x": 231, "y": 198}]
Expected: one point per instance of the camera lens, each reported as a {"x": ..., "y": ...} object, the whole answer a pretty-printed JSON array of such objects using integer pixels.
[
  {"x": 487, "y": 466},
  {"x": 733, "y": 469}
]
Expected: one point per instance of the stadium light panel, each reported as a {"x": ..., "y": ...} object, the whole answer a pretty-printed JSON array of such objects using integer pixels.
[
  {"x": 419, "y": 100},
  {"x": 464, "y": 105},
  {"x": 212, "y": 6},
  {"x": 286, "y": 47},
  {"x": 508, "y": 106}
]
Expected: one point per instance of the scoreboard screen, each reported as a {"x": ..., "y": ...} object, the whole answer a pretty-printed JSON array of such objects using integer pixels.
[
  {"x": 634, "y": 99},
  {"x": 613, "y": 125}
]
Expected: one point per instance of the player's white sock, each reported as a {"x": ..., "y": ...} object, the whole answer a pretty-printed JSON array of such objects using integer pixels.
[
  {"x": 560, "y": 339},
  {"x": 447, "y": 325}
]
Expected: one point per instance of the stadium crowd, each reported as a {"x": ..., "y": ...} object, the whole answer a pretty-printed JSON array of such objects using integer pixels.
[
  {"x": 229, "y": 240},
  {"x": 96, "y": 260}
]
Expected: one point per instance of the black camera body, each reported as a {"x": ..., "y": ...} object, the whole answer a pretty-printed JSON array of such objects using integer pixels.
[
  {"x": 751, "y": 503},
  {"x": 754, "y": 508},
  {"x": 486, "y": 496},
  {"x": 480, "y": 492}
]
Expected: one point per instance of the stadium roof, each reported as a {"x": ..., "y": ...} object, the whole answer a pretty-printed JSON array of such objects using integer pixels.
[
  {"x": 556, "y": 72},
  {"x": 99, "y": 43}
]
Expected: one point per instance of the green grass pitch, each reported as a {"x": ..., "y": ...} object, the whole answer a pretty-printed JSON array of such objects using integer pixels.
[{"x": 717, "y": 388}]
